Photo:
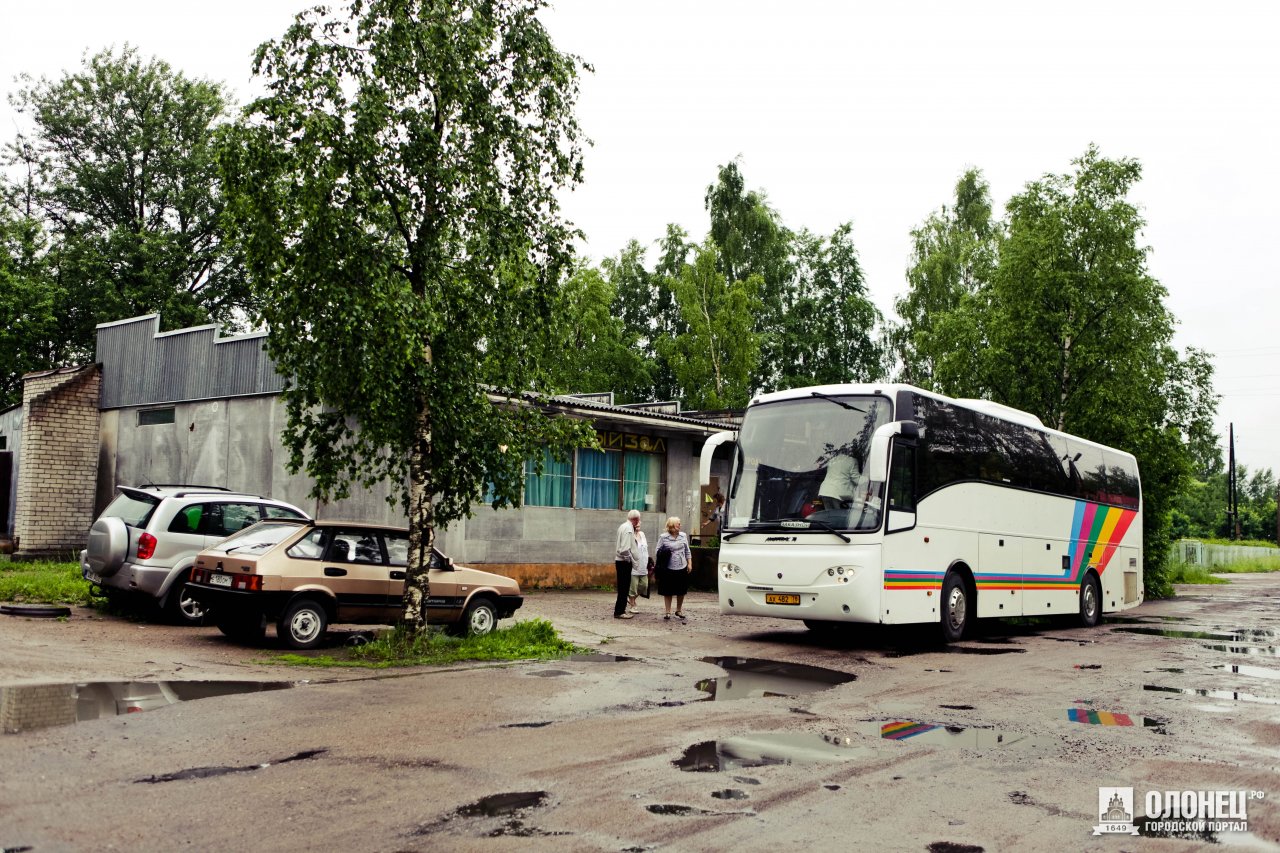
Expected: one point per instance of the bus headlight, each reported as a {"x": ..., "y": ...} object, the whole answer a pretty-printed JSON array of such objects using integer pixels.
[
  {"x": 843, "y": 572},
  {"x": 728, "y": 570}
]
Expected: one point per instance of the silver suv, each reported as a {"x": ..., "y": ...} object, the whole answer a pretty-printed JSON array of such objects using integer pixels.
[{"x": 146, "y": 540}]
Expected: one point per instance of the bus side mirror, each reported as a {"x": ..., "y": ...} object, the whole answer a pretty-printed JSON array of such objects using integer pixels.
[
  {"x": 708, "y": 450},
  {"x": 878, "y": 458}
]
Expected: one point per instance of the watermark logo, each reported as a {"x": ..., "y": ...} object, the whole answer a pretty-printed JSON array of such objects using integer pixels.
[
  {"x": 1174, "y": 812},
  {"x": 1115, "y": 810}
]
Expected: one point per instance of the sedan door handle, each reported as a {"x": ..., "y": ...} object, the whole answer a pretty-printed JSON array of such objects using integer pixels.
[
  {"x": 397, "y": 576},
  {"x": 331, "y": 572}
]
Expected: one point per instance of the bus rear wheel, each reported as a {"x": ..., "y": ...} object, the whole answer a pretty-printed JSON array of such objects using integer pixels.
[
  {"x": 956, "y": 605},
  {"x": 1090, "y": 601}
]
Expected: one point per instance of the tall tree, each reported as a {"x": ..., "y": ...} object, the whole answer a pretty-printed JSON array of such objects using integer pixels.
[
  {"x": 952, "y": 254},
  {"x": 1073, "y": 328},
  {"x": 751, "y": 241},
  {"x": 829, "y": 324},
  {"x": 606, "y": 355},
  {"x": 714, "y": 358},
  {"x": 397, "y": 193},
  {"x": 28, "y": 306},
  {"x": 120, "y": 167}
]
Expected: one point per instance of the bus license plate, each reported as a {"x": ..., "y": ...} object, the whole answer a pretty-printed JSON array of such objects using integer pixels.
[
  {"x": 781, "y": 598},
  {"x": 220, "y": 580}
]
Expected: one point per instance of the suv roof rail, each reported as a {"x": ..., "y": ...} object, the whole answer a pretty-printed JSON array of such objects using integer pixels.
[{"x": 184, "y": 486}]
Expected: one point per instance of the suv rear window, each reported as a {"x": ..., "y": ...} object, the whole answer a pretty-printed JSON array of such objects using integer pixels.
[{"x": 133, "y": 510}]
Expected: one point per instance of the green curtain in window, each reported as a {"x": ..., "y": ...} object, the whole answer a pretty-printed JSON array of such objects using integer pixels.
[
  {"x": 642, "y": 484},
  {"x": 598, "y": 475},
  {"x": 555, "y": 485}
]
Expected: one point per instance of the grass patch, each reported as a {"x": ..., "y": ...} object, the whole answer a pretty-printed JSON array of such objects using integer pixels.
[
  {"x": 1180, "y": 573},
  {"x": 1252, "y": 543},
  {"x": 43, "y": 583},
  {"x": 535, "y": 639},
  {"x": 1249, "y": 565}
]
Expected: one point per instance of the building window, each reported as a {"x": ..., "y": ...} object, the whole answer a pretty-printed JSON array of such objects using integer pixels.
[
  {"x": 553, "y": 487},
  {"x": 599, "y": 476},
  {"x": 597, "y": 479},
  {"x": 155, "y": 417}
]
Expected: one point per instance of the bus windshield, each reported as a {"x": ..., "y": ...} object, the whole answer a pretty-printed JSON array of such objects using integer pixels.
[{"x": 805, "y": 460}]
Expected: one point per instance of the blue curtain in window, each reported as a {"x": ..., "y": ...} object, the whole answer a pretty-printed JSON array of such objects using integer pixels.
[
  {"x": 598, "y": 476},
  {"x": 554, "y": 487},
  {"x": 642, "y": 487}
]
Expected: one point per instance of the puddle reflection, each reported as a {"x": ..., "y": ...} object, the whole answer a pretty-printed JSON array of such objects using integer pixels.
[
  {"x": 762, "y": 750},
  {"x": 37, "y": 706},
  {"x": 959, "y": 737},
  {"x": 752, "y": 678},
  {"x": 1233, "y": 695}
]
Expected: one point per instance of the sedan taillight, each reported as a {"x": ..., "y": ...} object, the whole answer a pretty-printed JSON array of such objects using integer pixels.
[{"x": 146, "y": 546}]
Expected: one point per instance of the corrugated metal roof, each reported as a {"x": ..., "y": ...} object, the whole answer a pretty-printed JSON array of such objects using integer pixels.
[{"x": 142, "y": 366}]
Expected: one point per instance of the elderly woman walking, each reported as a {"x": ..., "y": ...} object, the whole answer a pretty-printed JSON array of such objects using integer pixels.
[{"x": 674, "y": 563}]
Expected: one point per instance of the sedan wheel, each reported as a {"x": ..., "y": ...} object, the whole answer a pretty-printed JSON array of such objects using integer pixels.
[{"x": 303, "y": 624}]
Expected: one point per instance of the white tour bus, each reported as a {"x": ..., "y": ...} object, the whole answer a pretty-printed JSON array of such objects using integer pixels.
[{"x": 889, "y": 504}]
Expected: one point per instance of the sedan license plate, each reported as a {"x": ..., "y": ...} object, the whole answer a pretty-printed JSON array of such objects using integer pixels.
[
  {"x": 220, "y": 580},
  {"x": 781, "y": 598}
]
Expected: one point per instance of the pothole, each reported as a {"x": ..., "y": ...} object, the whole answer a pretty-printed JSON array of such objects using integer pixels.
[{"x": 749, "y": 678}]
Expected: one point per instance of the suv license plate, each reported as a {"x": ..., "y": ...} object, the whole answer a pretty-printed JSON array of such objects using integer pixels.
[
  {"x": 780, "y": 598},
  {"x": 220, "y": 580}
]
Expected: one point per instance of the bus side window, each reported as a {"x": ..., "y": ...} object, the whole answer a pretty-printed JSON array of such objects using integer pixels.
[{"x": 902, "y": 479}]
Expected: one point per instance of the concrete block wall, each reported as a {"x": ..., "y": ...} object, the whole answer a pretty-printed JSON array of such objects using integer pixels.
[{"x": 57, "y": 480}]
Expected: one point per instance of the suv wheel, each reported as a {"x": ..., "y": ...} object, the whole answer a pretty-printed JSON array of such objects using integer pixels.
[
  {"x": 180, "y": 607},
  {"x": 303, "y": 624}
]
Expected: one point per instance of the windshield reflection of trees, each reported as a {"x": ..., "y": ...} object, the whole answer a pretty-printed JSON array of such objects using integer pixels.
[{"x": 826, "y": 483}]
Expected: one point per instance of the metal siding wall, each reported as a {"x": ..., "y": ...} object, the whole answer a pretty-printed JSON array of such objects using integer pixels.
[{"x": 141, "y": 367}]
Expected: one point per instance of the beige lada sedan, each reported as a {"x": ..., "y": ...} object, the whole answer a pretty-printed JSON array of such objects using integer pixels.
[{"x": 306, "y": 575}]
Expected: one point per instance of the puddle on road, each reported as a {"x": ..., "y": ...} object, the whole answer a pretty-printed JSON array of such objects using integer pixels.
[
  {"x": 954, "y": 650},
  {"x": 501, "y": 805},
  {"x": 762, "y": 750},
  {"x": 958, "y": 737},
  {"x": 1263, "y": 651},
  {"x": 211, "y": 772},
  {"x": 37, "y": 706},
  {"x": 594, "y": 657},
  {"x": 1233, "y": 695},
  {"x": 1251, "y": 671},
  {"x": 1179, "y": 634},
  {"x": 729, "y": 794},
  {"x": 750, "y": 678}
]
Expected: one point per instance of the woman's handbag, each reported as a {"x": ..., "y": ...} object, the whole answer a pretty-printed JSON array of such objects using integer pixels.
[{"x": 663, "y": 560}]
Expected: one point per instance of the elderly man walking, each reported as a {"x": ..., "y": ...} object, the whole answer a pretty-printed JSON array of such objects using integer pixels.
[{"x": 632, "y": 549}]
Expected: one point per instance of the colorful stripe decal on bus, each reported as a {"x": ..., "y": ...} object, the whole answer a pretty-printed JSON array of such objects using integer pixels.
[
  {"x": 1096, "y": 532},
  {"x": 912, "y": 580}
]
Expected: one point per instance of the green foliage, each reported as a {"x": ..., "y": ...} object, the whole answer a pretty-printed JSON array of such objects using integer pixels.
[
  {"x": 606, "y": 354},
  {"x": 29, "y": 303},
  {"x": 534, "y": 639},
  {"x": 1249, "y": 565},
  {"x": 43, "y": 583},
  {"x": 397, "y": 196},
  {"x": 1070, "y": 326},
  {"x": 1200, "y": 510},
  {"x": 119, "y": 169},
  {"x": 953, "y": 254},
  {"x": 714, "y": 358}
]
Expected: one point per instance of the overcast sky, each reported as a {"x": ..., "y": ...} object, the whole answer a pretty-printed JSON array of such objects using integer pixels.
[{"x": 869, "y": 112}]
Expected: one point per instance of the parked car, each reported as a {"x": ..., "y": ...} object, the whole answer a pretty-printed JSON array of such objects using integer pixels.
[
  {"x": 306, "y": 575},
  {"x": 146, "y": 540}
]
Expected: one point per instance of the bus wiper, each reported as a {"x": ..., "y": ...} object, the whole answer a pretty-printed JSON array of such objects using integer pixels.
[
  {"x": 837, "y": 401},
  {"x": 786, "y": 524}
]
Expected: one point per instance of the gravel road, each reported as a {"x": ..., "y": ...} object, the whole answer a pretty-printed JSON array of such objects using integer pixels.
[{"x": 715, "y": 733}]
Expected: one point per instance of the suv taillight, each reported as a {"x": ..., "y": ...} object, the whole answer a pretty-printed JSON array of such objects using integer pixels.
[{"x": 146, "y": 546}]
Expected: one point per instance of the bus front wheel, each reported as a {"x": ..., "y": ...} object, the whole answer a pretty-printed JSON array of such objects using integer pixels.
[
  {"x": 1090, "y": 601},
  {"x": 956, "y": 605}
]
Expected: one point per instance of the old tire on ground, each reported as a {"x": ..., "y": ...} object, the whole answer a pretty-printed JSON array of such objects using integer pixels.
[
  {"x": 1090, "y": 601},
  {"x": 245, "y": 629},
  {"x": 303, "y": 623},
  {"x": 180, "y": 608},
  {"x": 956, "y": 607},
  {"x": 480, "y": 618}
]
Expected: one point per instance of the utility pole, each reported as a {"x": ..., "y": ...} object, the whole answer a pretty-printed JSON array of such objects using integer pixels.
[{"x": 1233, "y": 523}]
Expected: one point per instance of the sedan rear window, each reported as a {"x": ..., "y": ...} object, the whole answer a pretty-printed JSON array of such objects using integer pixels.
[
  {"x": 133, "y": 510},
  {"x": 259, "y": 538}
]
